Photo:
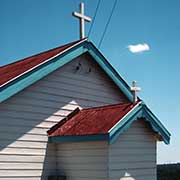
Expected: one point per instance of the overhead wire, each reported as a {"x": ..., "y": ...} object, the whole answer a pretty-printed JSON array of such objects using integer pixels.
[
  {"x": 97, "y": 7},
  {"x": 107, "y": 24}
]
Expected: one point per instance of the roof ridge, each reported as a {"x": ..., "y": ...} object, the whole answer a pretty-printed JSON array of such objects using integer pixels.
[{"x": 108, "y": 106}]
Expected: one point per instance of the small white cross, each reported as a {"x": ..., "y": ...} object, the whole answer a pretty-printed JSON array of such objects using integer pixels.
[
  {"x": 82, "y": 19},
  {"x": 135, "y": 89}
]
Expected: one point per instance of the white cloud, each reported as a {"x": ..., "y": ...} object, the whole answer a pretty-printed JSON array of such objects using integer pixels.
[{"x": 138, "y": 48}]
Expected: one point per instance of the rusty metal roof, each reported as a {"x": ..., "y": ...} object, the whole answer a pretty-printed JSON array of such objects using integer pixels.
[
  {"x": 105, "y": 123},
  {"x": 13, "y": 70},
  {"x": 97, "y": 120}
]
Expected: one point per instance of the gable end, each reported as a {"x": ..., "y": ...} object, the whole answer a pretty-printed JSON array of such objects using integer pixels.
[
  {"x": 58, "y": 61},
  {"x": 140, "y": 111}
]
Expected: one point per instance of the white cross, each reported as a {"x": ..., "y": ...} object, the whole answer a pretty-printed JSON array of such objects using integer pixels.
[
  {"x": 135, "y": 89},
  {"x": 82, "y": 19}
]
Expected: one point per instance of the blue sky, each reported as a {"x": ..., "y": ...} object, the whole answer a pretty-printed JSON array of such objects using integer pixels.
[{"x": 29, "y": 27}]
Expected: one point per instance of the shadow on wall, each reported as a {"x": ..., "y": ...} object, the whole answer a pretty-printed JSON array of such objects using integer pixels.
[
  {"x": 24, "y": 121},
  {"x": 49, "y": 166},
  {"x": 26, "y": 117}
]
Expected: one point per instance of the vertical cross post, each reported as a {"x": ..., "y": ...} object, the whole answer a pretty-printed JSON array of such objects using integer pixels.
[
  {"x": 82, "y": 29},
  {"x": 134, "y": 90},
  {"x": 82, "y": 19}
]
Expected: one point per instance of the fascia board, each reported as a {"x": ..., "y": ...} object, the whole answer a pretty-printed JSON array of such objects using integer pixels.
[
  {"x": 110, "y": 71},
  {"x": 125, "y": 123},
  {"x": 139, "y": 111},
  {"x": 157, "y": 126},
  {"x": 82, "y": 138},
  {"x": 156, "y": 120}
]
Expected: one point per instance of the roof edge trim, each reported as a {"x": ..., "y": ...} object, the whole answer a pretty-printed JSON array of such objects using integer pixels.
[
  {"x": 139, "y": 111},
  {"x": 109, "y": 69},
  {"x": 85, "y": 39},
  {"x": 156, "y": 119},
  {"x": 42, "y": 70},
  {"x": 39, "y": 72},
  {"x": 157, "y": 126},
  {"x": 126, "y": 115},
  {"x": 80, "y": 138},
  {"x": 124, "y": 124}
]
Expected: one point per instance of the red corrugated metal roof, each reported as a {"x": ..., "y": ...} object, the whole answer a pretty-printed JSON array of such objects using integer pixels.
[
  {"x": 98, "y": 120},
  {"x": 11, "y": 71}
]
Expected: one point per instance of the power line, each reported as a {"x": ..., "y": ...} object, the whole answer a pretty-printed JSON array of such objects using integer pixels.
[
  {"x": 107, "y": 24},
  {"x": 97, "y": 7}
]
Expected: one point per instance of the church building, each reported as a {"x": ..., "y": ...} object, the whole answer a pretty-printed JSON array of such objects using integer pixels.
[{"x": 67, "y": 114}]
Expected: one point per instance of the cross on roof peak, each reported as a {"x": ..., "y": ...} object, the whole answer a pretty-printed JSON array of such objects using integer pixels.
[
  {"x": 135, "y": 89},
  {"x": 82, "y": 19}
]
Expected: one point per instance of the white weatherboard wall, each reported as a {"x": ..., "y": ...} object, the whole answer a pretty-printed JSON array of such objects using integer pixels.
[
  {"x": 83, "y": 161},
  {"x": 133, "y": 155},
  {"x": 25, "y": 117}
]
